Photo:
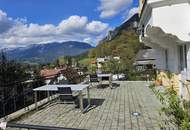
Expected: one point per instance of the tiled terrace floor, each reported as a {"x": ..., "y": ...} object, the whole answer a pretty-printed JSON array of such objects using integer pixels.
[{"x": 113, "y": 111}]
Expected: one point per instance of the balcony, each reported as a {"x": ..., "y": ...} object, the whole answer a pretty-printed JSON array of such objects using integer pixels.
[{"x": 132, "y": 105}]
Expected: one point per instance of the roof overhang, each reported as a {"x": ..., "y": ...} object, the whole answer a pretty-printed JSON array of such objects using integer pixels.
[
  {"x": 158, "y": 36},
  {"x": 150, "y": 4},
  {"x": 145, "y": 62}
]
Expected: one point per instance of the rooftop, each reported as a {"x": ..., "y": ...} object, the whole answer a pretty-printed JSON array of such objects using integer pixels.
[
  {"x": 49, "y": 72},
  {"x": 112, "y": 109},
  {"x": 146, "y": 54}
]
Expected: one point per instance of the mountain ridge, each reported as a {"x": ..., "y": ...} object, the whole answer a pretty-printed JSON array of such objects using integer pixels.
[
  {"x": 43, "y": 53},
  {"x": 124, "y": 26}
]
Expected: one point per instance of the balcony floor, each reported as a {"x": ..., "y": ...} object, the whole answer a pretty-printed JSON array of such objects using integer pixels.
[{"x": 112, "y": 111}]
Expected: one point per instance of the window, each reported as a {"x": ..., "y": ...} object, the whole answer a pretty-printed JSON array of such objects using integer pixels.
[
  {"x": 182, "y": 57},
  {"x": 166, "y": 60},
  {"x": 185, "y": 55}
]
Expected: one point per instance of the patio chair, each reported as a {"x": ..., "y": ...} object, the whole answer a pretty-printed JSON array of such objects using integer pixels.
[
  {"x": 66, "y": 96},
  {"x": 93, "y": 79},
  {"x": 104, "y": 82},
  {"x": 105, "y": 78}
]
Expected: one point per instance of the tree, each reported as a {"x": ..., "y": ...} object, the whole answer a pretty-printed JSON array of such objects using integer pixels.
[
  {"x": 11, "y": 73},
  {"x": 57, "y": 63},
  {"x": 92, "y": 69},
  {"x": 92, "y": 53},
  {"x": 114, "y": 66}
]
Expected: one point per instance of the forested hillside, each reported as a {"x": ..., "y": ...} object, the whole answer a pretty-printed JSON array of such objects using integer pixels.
[{"x": 125, "y": 43}]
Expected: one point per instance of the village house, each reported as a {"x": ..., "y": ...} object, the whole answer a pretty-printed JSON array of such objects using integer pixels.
[
  {"x": 60, "y": 75},
  {"x": 101, "y": 61},
  {"x": 165, "y": 27},
  {"x": 52, "y": 76}
]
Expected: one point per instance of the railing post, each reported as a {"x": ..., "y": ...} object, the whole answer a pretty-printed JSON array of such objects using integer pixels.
[
  {"x": 81, "y": 101},
  {"x": 88, "y": 94},
  {"x": 36, "y": 100},
  {"x": 14, "y": 102},
  {"x": 48, "y": 94},
  {"x": 26, "y": 107},
  {"x": 4, "y": 113}
]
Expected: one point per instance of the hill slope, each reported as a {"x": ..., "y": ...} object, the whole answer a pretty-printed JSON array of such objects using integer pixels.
[
  {"x": 123, "y": 42},
  {"x": 44, "y": 53}
]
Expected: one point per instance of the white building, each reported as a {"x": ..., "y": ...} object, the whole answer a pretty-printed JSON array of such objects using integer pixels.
[
  {"x": 101, "y": 61},
  {"x": 165, "y": 26}
]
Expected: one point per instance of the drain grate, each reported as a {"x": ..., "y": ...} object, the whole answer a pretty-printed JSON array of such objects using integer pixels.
[{"x": 136, "y": 114}]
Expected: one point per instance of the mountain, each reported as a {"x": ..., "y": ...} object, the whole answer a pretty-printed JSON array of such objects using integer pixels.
[
  {"x": 43, "y": 53},
  {"x": 123, "y": 41},
  {"x": 130, "y": 23}
]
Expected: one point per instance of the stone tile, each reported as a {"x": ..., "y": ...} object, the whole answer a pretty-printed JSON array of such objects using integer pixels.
[{"x": 113, "y": 111}]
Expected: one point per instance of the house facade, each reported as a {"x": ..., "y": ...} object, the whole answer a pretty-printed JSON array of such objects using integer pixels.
[
  {"x": 145, "y": 60},
  {"x": 52, "y": 76},
  {"x": 62, "y": 75},
  {"x": 165, "y": 27}
]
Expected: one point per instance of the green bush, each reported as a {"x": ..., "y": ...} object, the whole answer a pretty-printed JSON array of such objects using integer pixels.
[
  {"x": 141, "y": 75},
  {"x": 174, "y": 107}
]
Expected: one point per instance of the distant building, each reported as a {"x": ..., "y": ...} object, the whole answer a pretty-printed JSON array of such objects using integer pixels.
[
  {"x": 60, "y": 76},
  {"x": 116, "y": 58},
  {"x": 165, "y": 27},
  {"x": 99, "y": 63},
  {"x": 103, "y": 60},
  {"x": 52, "y": 76}
]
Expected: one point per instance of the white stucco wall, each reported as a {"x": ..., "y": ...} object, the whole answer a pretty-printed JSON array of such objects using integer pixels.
[
  {"x": 188, "y": 61},
  {"x": 160, "y": 59},
  {"x": 174, "y": 19},
  {"x": 173, "y": 58}
]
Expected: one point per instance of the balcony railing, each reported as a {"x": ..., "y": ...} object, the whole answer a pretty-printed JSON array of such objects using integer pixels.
[
  {"x": 23, "y": 98},
  {"x": 35, "y": 127}
]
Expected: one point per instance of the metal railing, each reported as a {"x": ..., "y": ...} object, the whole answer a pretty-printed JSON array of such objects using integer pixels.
[
  {"x": 37, "y": 127},
  {"x": 22, "y": 99}
]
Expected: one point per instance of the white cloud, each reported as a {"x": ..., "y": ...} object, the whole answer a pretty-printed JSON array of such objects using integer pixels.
[
  {"x": 73, "y": 24},
  {"x": 96, "y": 27},
  {"x": 110, "y": 8},
  {"x": 18, "y": 33},
  {"x": 5, "y": 22},
  {"x": 88, "y": 40}
]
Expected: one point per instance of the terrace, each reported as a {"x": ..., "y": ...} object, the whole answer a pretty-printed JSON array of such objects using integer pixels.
[{"x": 111, "y": 110}]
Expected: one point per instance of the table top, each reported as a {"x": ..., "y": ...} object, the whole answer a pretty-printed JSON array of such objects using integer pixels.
[
  {"x": 103, "y": 75},
  {"x": 74, "y": 87}
]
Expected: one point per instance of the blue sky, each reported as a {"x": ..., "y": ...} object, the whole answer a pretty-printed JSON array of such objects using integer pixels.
[{"x": 25, "y": 22}]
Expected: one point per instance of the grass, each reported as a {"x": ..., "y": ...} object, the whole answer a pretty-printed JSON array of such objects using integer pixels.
[{"x": 86, "y": 61}]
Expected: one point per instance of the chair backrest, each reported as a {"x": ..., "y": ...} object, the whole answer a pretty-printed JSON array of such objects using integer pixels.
[
  {"x": 93, "y": 78},
  {"x": 105, "y": 78},
  {"x": 65, "y": 93}
]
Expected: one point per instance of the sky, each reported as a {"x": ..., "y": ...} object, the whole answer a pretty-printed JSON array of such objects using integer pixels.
[{"x": 26, "y": 22}]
